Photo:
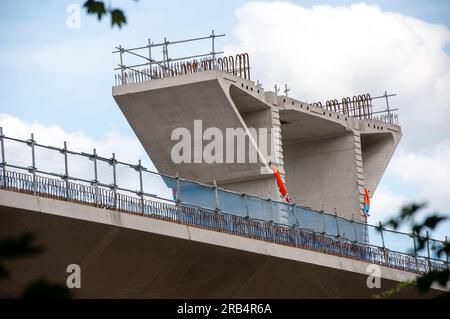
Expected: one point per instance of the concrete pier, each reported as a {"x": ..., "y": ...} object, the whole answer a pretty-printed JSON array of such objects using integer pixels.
[{"x": 327, "y": 158}]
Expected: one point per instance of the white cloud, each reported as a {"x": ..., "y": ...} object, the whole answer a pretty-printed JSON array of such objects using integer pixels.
[
  {"x": 331, "y": 52},
  {"x": 384, "y": 205},
  {"x": 127, "y": 149},
  {"x": 427, "y": 176},
  {"x": 429, "y": 172}
]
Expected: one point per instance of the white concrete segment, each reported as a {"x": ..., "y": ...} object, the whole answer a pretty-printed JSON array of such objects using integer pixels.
[
  {"x": 155, "y": 108},
  {"x": 328, "y": 158}
]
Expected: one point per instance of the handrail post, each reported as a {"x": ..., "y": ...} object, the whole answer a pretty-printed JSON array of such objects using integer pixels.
[
  {"x": 122, "y": 68},
  {"x": 217, "y": 195},
  {"x": 428, "y": 250},
  {"x": 33, "y": 162},
  {"x": 337, "y": 224},
  {"x": 415, "y": 249},
  {"x": 141, "y": 186},
  {"x": 387, "y": 107},
  {"x": 166, "y": 56},
  {"x": 213, "y": 49},
  {"x": 293, "y": 213},
  {"x": 382, "y": 243},
  {"x": 324, "y": 225},
  {"x": 271, "y": 208},
  {"x": 355, "y": 233},
  {"x": 414, "y": 241},
  {"x": 113, "y": 163},
  {"x": 66, "y": 170},
  {"x": 246, "y": 205},
  {"x": 3, "y": 162},
  {"x": 178, "y": 188},
  {"x": 177, "y": 198},
  {"x": 381, "y": 234},
  {"x": 95, "y": 181},
  {"x": 446, "y": 252},
  {"x": 150, "y": 56}
]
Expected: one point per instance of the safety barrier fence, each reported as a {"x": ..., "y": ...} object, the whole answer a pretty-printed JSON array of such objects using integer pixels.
[
  {"x": 361, "y": 107},
  {"x": 214, "y": 220},
  {"x": 142, "y": 65},
  {"x": 146, "y": 66},
  {"x": 237, "y": 65},
  {"x": 95, "y": 180}
]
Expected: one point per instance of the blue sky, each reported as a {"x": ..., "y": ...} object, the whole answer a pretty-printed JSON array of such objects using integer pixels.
[
  {"x": 71, "y": 86},
  {"x": 54, "y": 75}
]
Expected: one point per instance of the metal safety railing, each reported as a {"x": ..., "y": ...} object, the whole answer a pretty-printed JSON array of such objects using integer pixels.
[
  {"x": 361, "y": 107},
  {"x": 149, "y": 68},
  {"x": 190, "y": 215},
  {"x": 94, "y": 180}
]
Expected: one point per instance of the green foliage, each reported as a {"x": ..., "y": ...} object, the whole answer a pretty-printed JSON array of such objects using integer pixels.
[
  {"x": 98, "y": 8},
  {"x": 396, "y": 289},
  {"x": 95, "y": 7},
  {"x": 23, "y": 246},
  {"x": 117, "y": 17},
  {"x": 406, "y": 214},
  {"x": 42, "y": 289},
  {"x": 424, "y": 282},
  {"x": 12, "y": 248}
]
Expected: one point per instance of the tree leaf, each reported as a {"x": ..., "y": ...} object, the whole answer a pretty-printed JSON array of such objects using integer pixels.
[
  {"x": 43, "y": 289},
  {"x": 433, "y": 220},
  {"x": 21, "y": 246},
  {"x": 95, "y": 7},
  {"x": 118, "y": 18},
  {"x": 3, "y": 272},
  {"x": 424, "y": 283}
]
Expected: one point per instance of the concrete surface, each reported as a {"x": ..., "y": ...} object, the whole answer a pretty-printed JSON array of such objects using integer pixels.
[
  {"x": 128, "y": 256},
  {"x": 326, "y": 158}
]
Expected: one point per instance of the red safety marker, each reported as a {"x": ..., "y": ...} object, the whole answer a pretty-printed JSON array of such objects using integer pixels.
[{"x": 281, "y": 185}]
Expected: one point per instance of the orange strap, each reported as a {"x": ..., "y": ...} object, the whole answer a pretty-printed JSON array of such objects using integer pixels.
[
  {"x": 366, "y": 196},
  {"x": 280, "y": 182}
]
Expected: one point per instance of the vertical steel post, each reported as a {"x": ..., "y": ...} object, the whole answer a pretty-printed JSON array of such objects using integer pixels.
[
  {"x": 150, "y": 55},
  {"x": 337, "y": 224},
  {"x": 66, "y": 170},
  {"x": 355, "y": 233},
  {"x": 213, "y": 49},
  {"x": 385, "y": 255},
  {"x": 166, "y": 54},
  {"x": 387, "y": 107},
  {"x": 428, "y": 250},
  {"x": 122, "y": 68},
  {"x": 415, "y": 250},
  {"x": 381, "y": 234},
  {"x": 3, "y": 162},
  {"x": 271, "y": 214},
  {"x": 33, "y": 162},
  {"x": 217, "y": 195},
  {"x": 95, "y": 181},
  {"x": 141, "y": 186},
  {"x": 271, "y": 207},
  {"x": 113, "y": 163},
  {"x": 178, "y": 197},
  {"x": 414, "y": 242},
  {"x": 446, "y": 252},
  {"x": 293, "y": 213},
  {"x": 246, "y": 205},
  {"x": 178, "y": 190},
  {"x": 324, "y": 226}
]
